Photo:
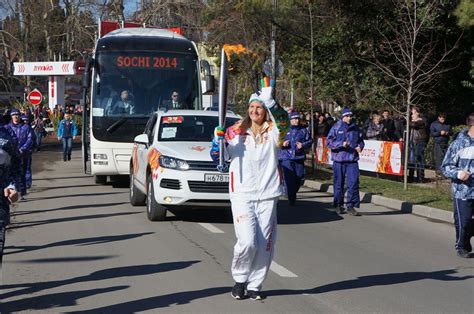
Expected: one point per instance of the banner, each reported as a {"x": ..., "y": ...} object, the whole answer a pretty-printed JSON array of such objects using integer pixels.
[{"x": 377, "y": 156}]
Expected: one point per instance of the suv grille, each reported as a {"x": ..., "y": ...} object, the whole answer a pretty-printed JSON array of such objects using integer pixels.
[
  {"x": 170, "y": 184},
  {"x": 202, "y": 165},
  {"x": 208, "y": 187}
]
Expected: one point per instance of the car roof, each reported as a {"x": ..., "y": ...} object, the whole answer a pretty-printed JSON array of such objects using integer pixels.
[{"x": 207, "y": 113}]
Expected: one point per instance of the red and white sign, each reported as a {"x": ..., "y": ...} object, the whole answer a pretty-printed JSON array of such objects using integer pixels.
[
  {"x": 377, "y": 156},
  {"x": 35, "y": 97},
  {"x": 44, "y": 68}
]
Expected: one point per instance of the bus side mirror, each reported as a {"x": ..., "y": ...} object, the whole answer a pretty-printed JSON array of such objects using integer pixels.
[
  {"x": 209, "y": 78},
  {"x": 86, "y": 76}
]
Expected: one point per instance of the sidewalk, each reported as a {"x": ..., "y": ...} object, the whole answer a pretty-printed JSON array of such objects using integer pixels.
[{"x": 398, "y": 205}]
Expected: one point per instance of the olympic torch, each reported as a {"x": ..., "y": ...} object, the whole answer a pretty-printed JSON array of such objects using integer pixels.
[{"x": 222, "y": 106}]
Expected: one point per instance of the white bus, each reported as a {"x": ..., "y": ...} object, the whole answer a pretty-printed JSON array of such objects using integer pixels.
[{"x": 151, "y": 65}]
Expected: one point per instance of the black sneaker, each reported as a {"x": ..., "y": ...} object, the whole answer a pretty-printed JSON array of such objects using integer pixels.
[
  {"x": 68, "y": 157},
  {"x": 352, "y": 211},
  {"x": 463, "y": 253},
  {"x": 340, "y": 210},
  {"x": 255, "y": 295},
  {"x": 238, "y": 291}
]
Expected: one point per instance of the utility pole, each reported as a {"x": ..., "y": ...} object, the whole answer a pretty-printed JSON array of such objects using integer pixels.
[{"x": 272, "y": 45}]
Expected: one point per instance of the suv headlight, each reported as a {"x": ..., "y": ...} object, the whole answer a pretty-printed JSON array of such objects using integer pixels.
[{"x": 173, "y": 163}]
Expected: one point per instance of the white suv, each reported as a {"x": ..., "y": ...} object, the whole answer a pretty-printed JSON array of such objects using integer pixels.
[{"x": 171, "y": 163}]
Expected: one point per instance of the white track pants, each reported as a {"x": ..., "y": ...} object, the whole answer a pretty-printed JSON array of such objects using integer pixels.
[{"x": 255, "y": 225}]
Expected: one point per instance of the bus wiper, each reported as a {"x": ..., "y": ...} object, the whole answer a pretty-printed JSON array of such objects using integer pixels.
[{"x": 114, "y": 126}]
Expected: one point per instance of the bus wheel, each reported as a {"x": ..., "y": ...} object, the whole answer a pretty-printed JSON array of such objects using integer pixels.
[
  {"x": 137, "y": 198},
  {"x": 155, "y": 211},
  {"x": 100, "y": 179}
]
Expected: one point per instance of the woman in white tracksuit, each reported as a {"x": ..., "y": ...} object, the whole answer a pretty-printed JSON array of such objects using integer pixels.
[{"x": 255, "y": 184}]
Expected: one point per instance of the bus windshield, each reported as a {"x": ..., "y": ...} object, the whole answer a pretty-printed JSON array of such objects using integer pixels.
[{"x": 130, "y": 85}]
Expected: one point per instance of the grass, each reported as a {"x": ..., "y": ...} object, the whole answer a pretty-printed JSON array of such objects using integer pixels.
[{"x": 432, "y": 196}]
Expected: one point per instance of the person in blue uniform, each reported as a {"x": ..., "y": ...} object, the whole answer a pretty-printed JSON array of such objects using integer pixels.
[
  {"x": 9, "y": 169},
  {"x": 346, "y": 142},
  {"x": 67, "y": 132},
  {"x": 24, "y": 138},
  {"x": 29, "y": 154},
  {"x": 293, "y": 155}
]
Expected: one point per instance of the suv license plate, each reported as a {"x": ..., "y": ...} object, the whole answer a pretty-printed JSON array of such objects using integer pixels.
[{"x": 210, "y": 177}]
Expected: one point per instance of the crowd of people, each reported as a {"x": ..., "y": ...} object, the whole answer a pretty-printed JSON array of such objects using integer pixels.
[{"x": 384, "y": 127}]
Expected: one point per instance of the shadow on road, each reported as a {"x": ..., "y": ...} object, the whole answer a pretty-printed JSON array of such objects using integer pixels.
[
  {"x": 75, "y": 242},
  {"x": 54, "y": 300},
  {"x": 65, "y": 259},
  {"x": 161, "y": 301},
  {"x": 375, "y": 280},
  {"x": 82, "y": 206},
  {"x": 66, "y": 219},
  {"x": 40, "y": 302}
]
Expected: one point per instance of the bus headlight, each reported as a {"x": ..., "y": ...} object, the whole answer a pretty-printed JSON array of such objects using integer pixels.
[
  {"x": 173, "y": 163},
  {"x": 100, "y": 156}
]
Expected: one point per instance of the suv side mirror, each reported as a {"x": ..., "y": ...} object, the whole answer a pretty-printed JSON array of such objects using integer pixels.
[
  {"x": 209, "y": 78},
  {"x": 141, "y": 139}
]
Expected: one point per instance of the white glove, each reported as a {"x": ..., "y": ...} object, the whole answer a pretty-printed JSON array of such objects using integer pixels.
[{"x": 267, "y": 98}]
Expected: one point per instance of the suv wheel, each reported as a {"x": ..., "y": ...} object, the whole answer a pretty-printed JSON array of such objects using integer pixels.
[
  {"x": 137, "y": 198},
  {"x": 155, "y": 211}
]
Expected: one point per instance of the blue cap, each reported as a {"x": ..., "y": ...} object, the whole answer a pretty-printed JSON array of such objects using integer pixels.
[
  {"x": 24, "y": 117},
  {"x": 294, "y": 115},
  {"x": 346, "y": 112},
  {"x": 14, "y": 112}
]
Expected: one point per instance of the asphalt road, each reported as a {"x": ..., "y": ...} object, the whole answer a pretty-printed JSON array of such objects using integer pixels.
[{"x": 74, "y": 246}]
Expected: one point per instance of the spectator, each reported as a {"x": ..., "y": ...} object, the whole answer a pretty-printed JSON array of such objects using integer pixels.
[
  {"x": 293, "y": 155},
  {"x": 323, "y": 127},
  {"x": 24, "y": 136},
  {"x": 375, "y": 129},
  {"x": 417, "y": 144},
  {"x": 39, "y": 130},
  {"x": 9, "y": 169},
  {"x": 400, "y": 124},
  {"x": 388, "y": 126},
  {"x": 440, "y": 131},
  {"x": 345, "y": 141},
  {"x": 369, "y": 120},
  {"x": 459, "y": 166},
  {"x": 67, "y": 132},
  {"x": 329, "y": 119},
  {"x": 29, "y": 154}
]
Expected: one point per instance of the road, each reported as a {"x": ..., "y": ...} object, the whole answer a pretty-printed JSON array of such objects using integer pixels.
[{"x": 74, "y": 246}]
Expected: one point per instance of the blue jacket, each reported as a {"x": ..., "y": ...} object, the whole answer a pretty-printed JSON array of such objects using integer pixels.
[
  {"x": 24, "y": 136},
  {"x": 296, "y": 134},
  {"x": 9, "y": 169},
  {"x": 435, "y": 129},
  {"x": 340, "y": 133},
  {"x": 460, "y": 156},
  {"x": 62, "y": 129}
]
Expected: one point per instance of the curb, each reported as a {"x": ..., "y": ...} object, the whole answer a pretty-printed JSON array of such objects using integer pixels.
[{"x": 403, "y": 206}]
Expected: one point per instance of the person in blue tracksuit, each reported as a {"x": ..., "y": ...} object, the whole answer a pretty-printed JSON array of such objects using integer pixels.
[
  {"x": 9, "y": 169},
  {"x": 24, "y": 138},
  {"x": 292, "y": 156},
  {"x": 458, "y": 164},
  {"x": 29, "y": 154},
  {"x": 346, "y": 142},
  {"x": 67, "y": 131}
]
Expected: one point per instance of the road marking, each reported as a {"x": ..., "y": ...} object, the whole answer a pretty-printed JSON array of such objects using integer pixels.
[
  {"x": 210, "y": 227},
  {"x": 281, "y": 271}
]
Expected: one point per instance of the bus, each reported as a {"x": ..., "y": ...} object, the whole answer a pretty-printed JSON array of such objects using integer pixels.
[{"x": 133, "y": 72}]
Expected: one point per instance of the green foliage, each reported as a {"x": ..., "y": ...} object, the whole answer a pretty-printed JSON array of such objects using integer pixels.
[{"x": 465, "y": 13}]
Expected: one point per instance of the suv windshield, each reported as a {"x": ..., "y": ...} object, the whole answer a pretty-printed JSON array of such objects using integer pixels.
[{"x": 189, "y": 128}]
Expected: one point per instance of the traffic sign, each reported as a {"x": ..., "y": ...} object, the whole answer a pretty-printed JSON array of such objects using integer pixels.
[{"x": 35, "y": 97}]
